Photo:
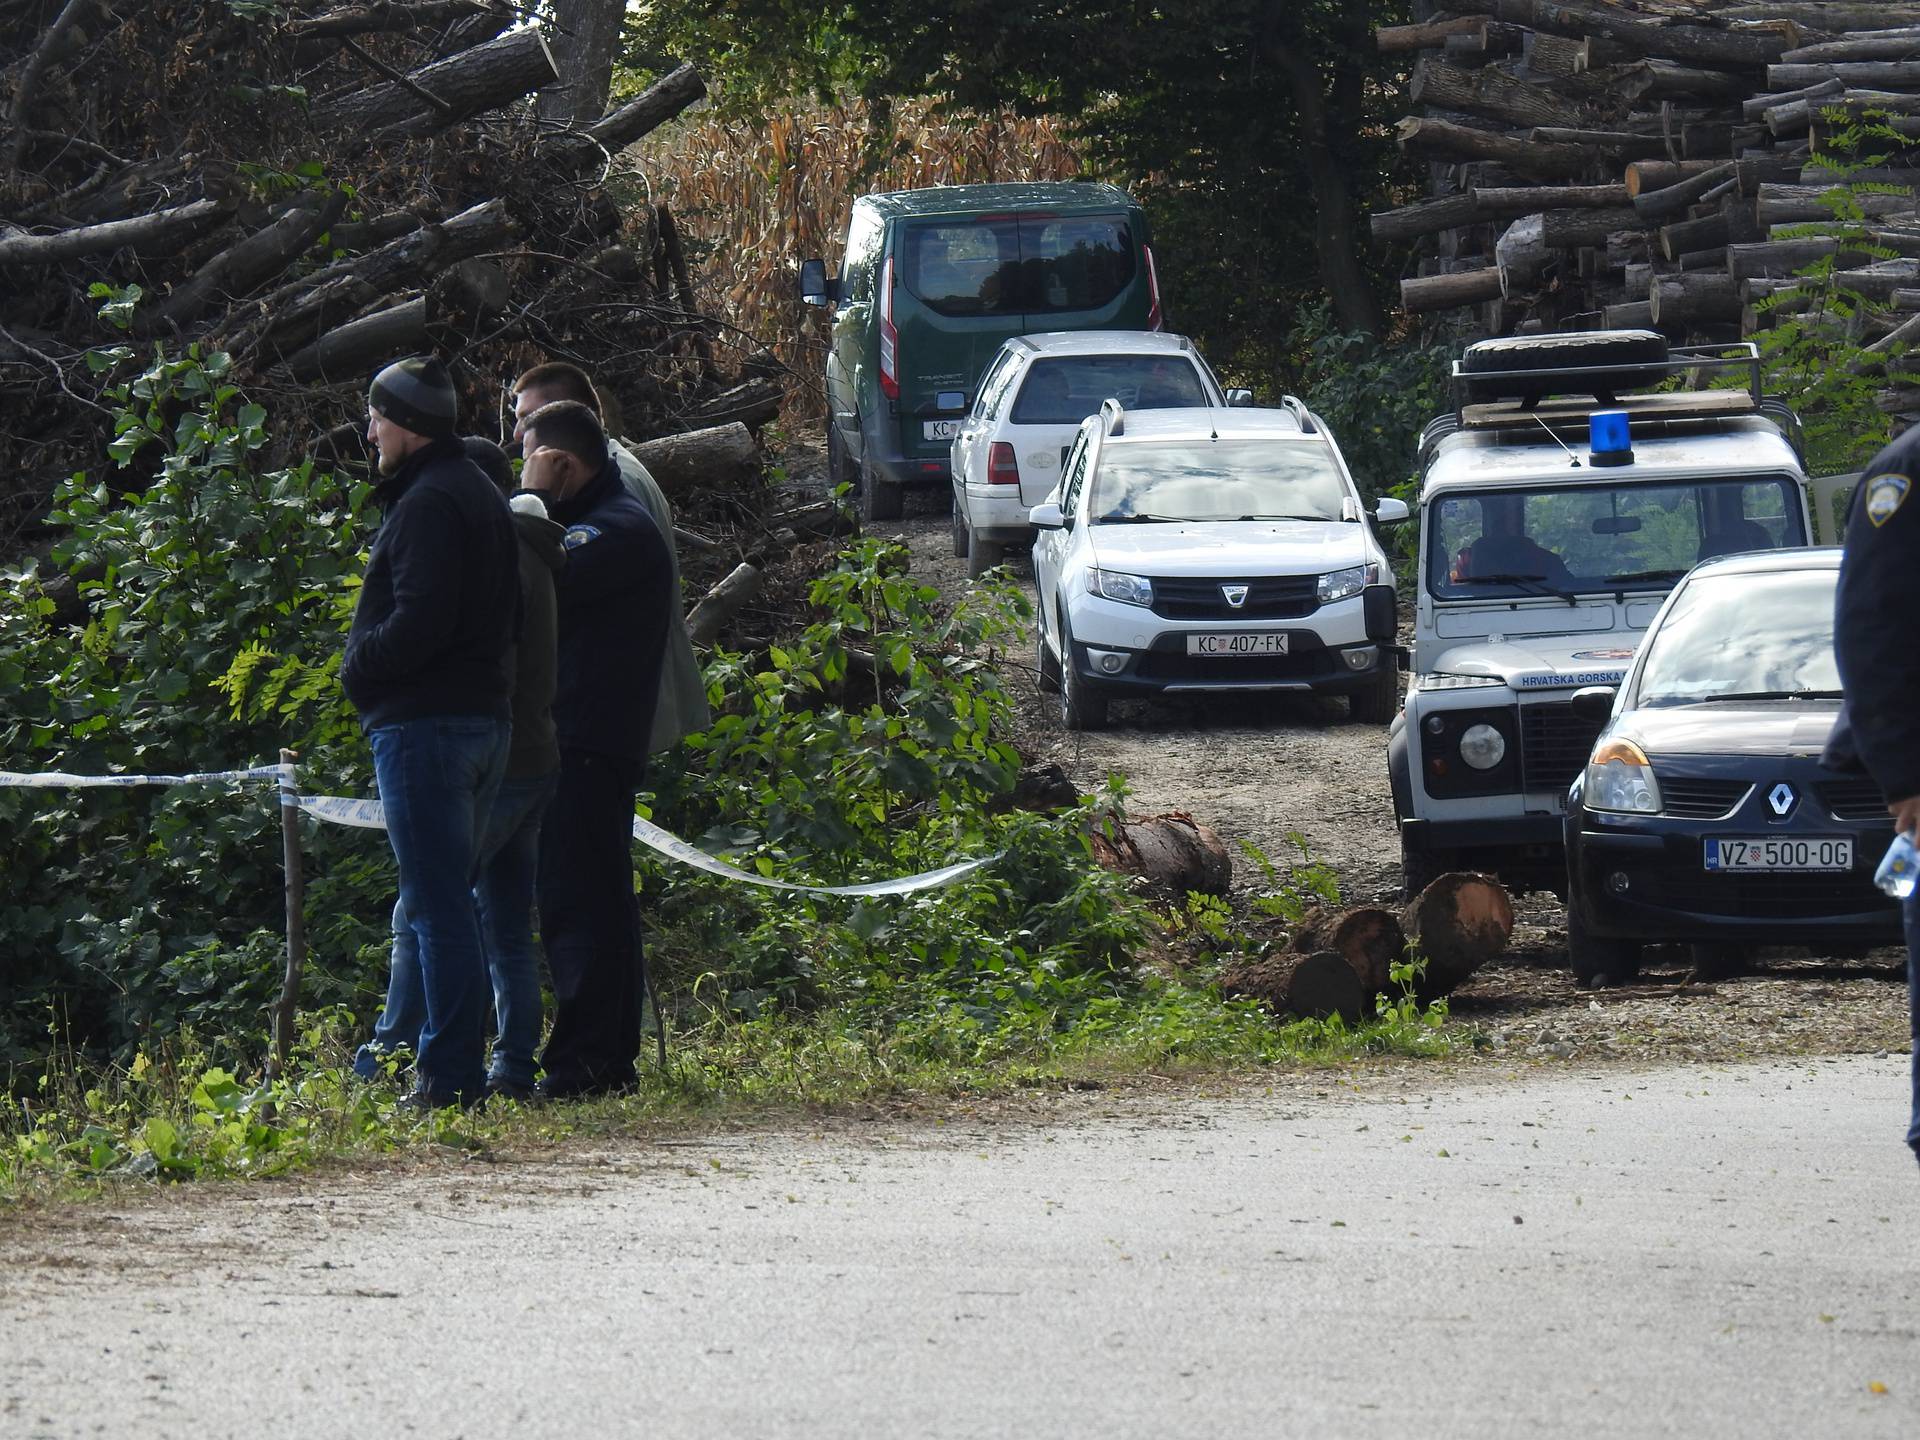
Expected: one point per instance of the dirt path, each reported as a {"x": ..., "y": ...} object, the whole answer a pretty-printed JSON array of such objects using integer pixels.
[{"x": 1265, "y": 769}]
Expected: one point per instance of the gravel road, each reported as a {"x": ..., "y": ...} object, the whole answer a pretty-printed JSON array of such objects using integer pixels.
[{"x": 1704, "y": 1251}]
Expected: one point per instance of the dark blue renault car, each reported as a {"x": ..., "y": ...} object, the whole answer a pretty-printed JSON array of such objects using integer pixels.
[{"x": 1704, "y": 815}]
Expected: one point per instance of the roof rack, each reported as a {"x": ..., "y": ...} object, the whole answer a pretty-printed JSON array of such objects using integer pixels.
[
  {"x": 1700, "y": 362},
  {"x": 1293, "y": 406}
]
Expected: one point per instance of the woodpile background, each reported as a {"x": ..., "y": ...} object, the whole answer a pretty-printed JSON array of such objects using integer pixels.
[
  {"x": 317, "y": 189},
  {"x": 1654, "y": 164}
]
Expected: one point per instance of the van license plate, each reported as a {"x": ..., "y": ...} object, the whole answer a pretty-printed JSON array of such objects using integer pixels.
[
  {"x": 1755, "y": 853},
  {"x": 940, "y": 429},
  {"x": 1242, "y": 644}
]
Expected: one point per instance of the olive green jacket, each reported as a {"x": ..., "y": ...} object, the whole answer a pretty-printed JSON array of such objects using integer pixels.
[{"x": 683, "y": 690}]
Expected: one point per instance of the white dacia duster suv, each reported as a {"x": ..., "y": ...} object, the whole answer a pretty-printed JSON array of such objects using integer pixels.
[{"x": 1579, "y": 477}]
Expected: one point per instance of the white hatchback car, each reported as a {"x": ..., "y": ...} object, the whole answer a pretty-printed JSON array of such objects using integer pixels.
[
  {"x": 1213, "y": 549},
  {"x": 1031, "y": 401}
]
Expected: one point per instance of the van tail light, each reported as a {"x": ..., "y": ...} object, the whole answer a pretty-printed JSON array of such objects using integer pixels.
[
  {"x": 1155, "y": 320},
  {"x": 889, "y": 337},
  {"x": 1002, "y": 468}
]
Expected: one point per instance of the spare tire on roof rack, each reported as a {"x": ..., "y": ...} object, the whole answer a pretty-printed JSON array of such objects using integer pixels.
[{"x": 1487, "y": 369}]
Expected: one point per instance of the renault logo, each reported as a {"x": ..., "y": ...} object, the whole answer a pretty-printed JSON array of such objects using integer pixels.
[
  {"x": 1781, "y": 799},
  {"x": 1236, "y": 595}
]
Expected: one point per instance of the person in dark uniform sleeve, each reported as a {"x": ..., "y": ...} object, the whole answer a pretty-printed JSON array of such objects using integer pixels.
[
  {"x": 1880, "y": 665},
  {"x": 614, "y": 599}
]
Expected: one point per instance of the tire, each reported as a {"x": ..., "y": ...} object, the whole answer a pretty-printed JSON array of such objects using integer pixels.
[
  {"x": 1485, "y": 364},
  {"x": 982, "y": 555},
  {"x": 1598, "y": 962},
  {"x": 1045, "y": 662},
  {"x": 1420, "y": 868},
  {"x": 960, "y": 542},
  {"x": 1079, "y": 710},
  {"x": 1380, "y": 701},
  {"x": 880, "y": 498}
]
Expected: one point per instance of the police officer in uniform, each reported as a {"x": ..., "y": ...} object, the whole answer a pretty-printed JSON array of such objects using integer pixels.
[{"x": 1880, "y": 666}]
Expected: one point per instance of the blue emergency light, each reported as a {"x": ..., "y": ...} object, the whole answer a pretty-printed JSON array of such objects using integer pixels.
[{"x": 1609, "y": 439}]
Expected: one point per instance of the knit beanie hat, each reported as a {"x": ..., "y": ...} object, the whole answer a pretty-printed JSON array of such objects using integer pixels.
[{"x": 416, "y": 394}]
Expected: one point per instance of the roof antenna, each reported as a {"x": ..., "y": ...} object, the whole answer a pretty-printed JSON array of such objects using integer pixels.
[{"x": 1558, "y": 441}]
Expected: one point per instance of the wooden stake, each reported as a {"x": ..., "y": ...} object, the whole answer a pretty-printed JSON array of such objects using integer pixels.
[{"x": 283, "y": 1010}]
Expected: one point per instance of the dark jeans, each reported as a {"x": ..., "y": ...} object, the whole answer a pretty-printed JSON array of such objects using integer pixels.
[
  {"x": 1913, "y": 1013},
  {"x": 589, "y": 923},
  {"x": 437, "y": 778}
]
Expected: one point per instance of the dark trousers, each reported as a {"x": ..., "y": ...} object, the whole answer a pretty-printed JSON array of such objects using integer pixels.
[{"x": 589, "y": 923}]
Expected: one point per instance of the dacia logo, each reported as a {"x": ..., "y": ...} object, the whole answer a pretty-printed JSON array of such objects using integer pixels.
[
  {"x": 1235, "y": 595},
  {"x": 1781, "y": 799}
]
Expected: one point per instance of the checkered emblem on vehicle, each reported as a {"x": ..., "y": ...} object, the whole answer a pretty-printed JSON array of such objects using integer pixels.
[
  {"x": 1781, "y": 799},
  {"x": 1235, "y": 595}
]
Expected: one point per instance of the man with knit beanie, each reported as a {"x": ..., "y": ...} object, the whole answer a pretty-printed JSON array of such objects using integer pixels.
[{"x": 429, "y": 666}]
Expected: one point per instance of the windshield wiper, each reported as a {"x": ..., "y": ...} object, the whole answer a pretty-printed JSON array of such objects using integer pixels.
[
  {"x": 1284, "y": 517},
  {"x": 1766, "y": 695},
  {"x": 1140, "y": 520},
  {"x": 1632, "y": 575},
  {"x": 1532, "y": 584}
]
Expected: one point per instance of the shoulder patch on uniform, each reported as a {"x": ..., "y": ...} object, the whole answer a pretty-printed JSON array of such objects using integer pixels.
[
  {"x": 1885, "y": 494},
  {"x": 578, "y": 535}
]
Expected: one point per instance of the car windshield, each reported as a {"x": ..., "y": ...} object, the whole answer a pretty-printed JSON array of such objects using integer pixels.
[
  {"x": 1066, "y": 389},
  {"x": 1014, "y": 265},
  {"x": 1217, "y": 480},
  {"x": 1588, "y": 538},
  {"x": 1744, "y": 636}
]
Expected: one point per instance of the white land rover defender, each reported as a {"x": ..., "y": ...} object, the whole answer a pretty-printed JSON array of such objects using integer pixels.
[{"x": 1579, "y": 477}]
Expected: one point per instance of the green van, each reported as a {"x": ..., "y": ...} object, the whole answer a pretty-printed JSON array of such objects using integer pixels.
[{"x": 933, "y": 282}]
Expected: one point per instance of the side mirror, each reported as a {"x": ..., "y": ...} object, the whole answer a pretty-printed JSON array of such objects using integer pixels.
[
  {"x": 1593, "y": 704},
  {"x": 1240, "y": 399},
  {"x": 816, "y": 287},
  {"x": 1391, "y": 511},
  {"x": 1046, "y": 517}
]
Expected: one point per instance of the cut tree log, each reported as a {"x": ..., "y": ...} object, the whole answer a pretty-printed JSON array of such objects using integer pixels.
[
  {"x": 1693, "y": 298},
  {"x": 1491, "y": 93},
  {"x": 168, "y": 229},
  {"x": 483, "y": 78},
  {"x": 1784, "y": 204},
  {"x": 1174, "y": 851},
  {"x": 1427, "y": 218},
  {"x": 1443, "y": 139},
  {"x": 1727, "y": 49},
  {"x": 1670, "y": 200},
  {"x": 1315, "y": 987},
  {"x": 1398, "y": 39},
  {"x": 1450, "y": 292},
  {"x": 1368, "y": 938},
  {"x": 639, "y": 117},
  {"x": 1652, "y": 80},
  {"x": 351, "y": 351},
  {"x": 1902, "y": 75},
  {"x": 1457, "y": 923},
  {"x": 1901, "y": 44},
  {"x": 752, "y": 403},
  {"x": 720, "y": 457},
  {"x": 723, "y": 602},
  {"x": 247, "y": 264}
]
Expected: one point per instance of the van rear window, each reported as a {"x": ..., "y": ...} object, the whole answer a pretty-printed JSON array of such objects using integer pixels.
[
  {"x": 1018, "y": 266},
  {"x": 1068, "y": 388}
]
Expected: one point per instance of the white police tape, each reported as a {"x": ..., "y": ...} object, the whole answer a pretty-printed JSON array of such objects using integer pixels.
[
  {"x": 367, "y": 815},
  {"x": 61, "y": 780}
]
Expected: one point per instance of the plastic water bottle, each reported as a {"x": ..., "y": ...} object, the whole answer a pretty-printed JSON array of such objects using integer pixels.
[{"x": 1900, "y": 868}]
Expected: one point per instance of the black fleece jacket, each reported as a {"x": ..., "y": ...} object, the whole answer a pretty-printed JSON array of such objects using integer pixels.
[
  {"x": 433, "y": 633},
  {"x": 1873, "y": 633},
  {"x": 615, "y": 594}
]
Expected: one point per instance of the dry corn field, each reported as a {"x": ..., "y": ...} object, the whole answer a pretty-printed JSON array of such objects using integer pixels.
[{"x": 753, "y": 199}]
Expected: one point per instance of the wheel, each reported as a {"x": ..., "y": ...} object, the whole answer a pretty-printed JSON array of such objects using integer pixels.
[
  {"x": 879, "y": 497},
  {"x": 959, "y": 534},
  {"x": 982, "y": 555},
  {"x": 1718, "y": 960},
  {"x": 1380, "y": 701},
  {"x": 1598, "y": 962},
  {"x": 1044, "y": 660},
  {"x": 1485, "y": 364},
  {"x": 1079, "y": 710},
  {"x": 1420, "y": 868}
]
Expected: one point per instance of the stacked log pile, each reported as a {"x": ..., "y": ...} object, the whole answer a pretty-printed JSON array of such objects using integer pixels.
[
  {"x": 1663, "y": 164},
  {"x": 315, "y": 189}
]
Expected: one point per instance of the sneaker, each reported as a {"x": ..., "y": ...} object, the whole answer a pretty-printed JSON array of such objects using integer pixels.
[{"x": 504, "y": 1089}]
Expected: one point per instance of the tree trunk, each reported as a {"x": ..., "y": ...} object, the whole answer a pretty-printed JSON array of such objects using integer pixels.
[
  {"x": 1694, "y": 298},
  {"x": 1450, "y": 292},
  {"x": 349, "y": 353},
  {"x": 1368, "y": 938},
  {"x": 243, "y": 267},
  {"x": 1428, "y": 218},
  {"x": 1312, "y": 986},
  {"x": 1174, "y": 850},
  {"x": 723, "y": 602},
  {"x": 483, "y": 78},
  {"x": 1490, "y": 93},
  {"x": 722, "y": 457},
  {"x": 162, "y": 228},
  {"x": 1458, "y": 923},
  {"x": 586, "y": 38},
  {"x": 1444, "y": 140}
]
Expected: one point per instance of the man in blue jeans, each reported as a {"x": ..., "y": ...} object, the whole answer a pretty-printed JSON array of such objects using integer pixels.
[
  {"x": 1874, "y": 642},
  {"x": 428, "y": 665},
  {"x": 510, "y": 841}
]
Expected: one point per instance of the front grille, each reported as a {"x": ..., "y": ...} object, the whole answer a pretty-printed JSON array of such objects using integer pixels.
[
  {"x": 1690, "y": 798},
  {"x": 1774, "y": 896},
  {"x": 1271, "y": 597},
  {"x": 1858, "y": 799},
  {"x": 1554, "y": 745}
]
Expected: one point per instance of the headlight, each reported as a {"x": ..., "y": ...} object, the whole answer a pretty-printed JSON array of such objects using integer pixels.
[
  {"x": 1440, "y": 680},
  {"x": 1482, "y": 746},
  {"x": 1127, "y": 589},
  {"x": 1339, "y": 584},
  {"x": 1620, "y": 778}
]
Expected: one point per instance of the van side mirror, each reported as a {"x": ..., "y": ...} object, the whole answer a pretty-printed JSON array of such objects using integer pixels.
[
  {"x": 816, "y": 286},
  {"x": 1391, "y": 511},
  {"x": 1047, "y": 517},
  {"x": 1240, "y": 399},
  {"x": 1593, "y": 704}
]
